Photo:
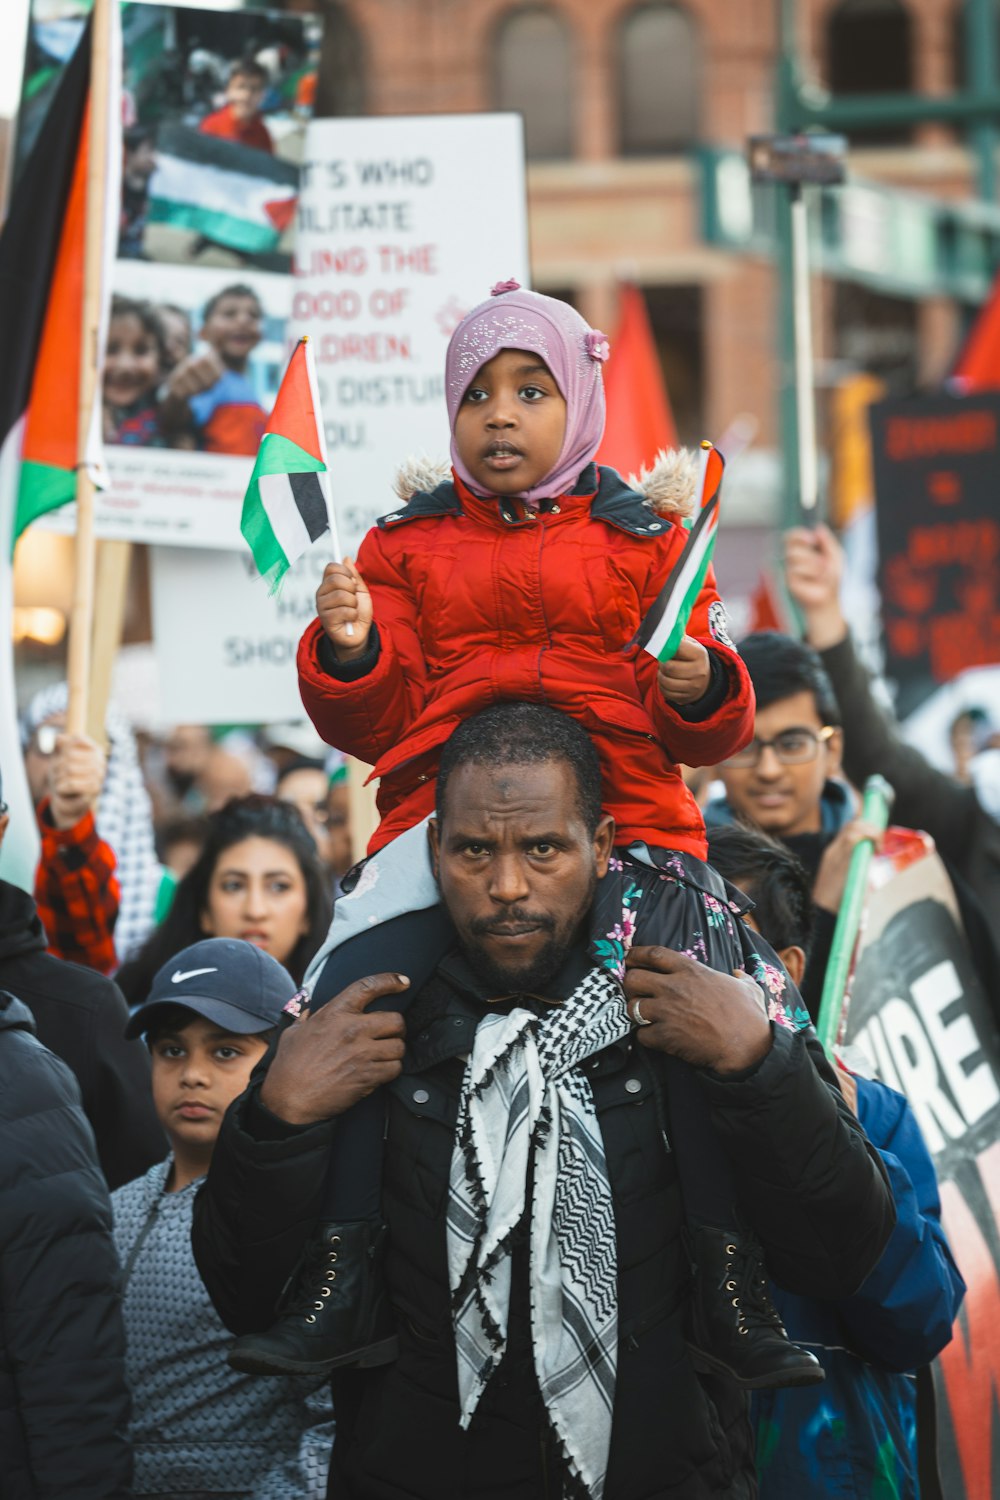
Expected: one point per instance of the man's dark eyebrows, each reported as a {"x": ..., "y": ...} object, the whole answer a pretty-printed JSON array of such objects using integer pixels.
[{"x": 457, "y": 836}]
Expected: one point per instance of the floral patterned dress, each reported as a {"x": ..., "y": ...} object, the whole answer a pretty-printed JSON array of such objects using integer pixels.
[{"x": 663, "y": 897}]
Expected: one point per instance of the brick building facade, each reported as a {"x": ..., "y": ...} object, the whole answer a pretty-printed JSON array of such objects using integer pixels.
[{"x": 616, "y": 96}]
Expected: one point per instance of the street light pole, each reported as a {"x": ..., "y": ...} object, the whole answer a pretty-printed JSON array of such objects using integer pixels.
[
  {"x": 975, "y": 109},
  {"x": 981, "y": 82}
]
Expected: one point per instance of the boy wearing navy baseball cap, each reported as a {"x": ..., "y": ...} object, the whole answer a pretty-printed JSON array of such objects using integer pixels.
[{"x": 198, "y": 1425}]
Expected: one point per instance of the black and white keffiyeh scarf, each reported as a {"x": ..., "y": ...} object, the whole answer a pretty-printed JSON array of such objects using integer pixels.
[{"x": 527, "y": 1111}]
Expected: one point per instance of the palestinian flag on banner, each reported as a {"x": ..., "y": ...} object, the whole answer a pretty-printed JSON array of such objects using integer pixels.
[
  {"x": 286, "y": 508},
  {"x": 231, "y": 194},
  {"x": 662, "y": 630},
  {"x": 41, "y": 290}
]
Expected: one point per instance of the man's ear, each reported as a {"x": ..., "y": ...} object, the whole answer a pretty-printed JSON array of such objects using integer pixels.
[
  {"x": 4, "y": 824},
  {"x": 434, "y": 845},
  {"x": 604, "y": 842},
  {"x": 794, "y": 960},
  {"x": 835, "y": 752}
]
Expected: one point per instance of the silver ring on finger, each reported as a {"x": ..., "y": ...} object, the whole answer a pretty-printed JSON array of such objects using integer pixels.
[{"x": 637, "y": 1015}]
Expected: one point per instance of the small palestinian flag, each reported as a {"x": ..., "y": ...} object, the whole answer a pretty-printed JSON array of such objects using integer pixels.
[
  {"x": 231, "y": 194},
  {"x": 286, "y": 508},
  {"x": 662, "y": 631}
]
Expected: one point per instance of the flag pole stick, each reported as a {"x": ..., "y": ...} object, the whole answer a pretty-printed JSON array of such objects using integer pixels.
[
  {"x": 82, "y": 610},
  {"x": 324, "y": 479},
  {"x": 805, "y": 407},
  {"x": 877, "y": 801}
]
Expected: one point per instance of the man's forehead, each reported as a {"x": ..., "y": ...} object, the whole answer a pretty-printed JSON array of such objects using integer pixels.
[
  {"x": 797, "y": 711},
  {"x": 529, "y": 790}
]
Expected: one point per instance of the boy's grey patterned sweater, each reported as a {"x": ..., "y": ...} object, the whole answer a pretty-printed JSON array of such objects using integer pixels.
[{"x": 199, "y": 1429}]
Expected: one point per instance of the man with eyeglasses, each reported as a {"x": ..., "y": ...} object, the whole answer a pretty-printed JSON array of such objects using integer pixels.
[
  {"x": 958, "y": 815},
  {"x": 787, "y": 779}
]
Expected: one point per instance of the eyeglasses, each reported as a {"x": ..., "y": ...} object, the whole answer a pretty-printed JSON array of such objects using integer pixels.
[{"x": 792, "y": 747}]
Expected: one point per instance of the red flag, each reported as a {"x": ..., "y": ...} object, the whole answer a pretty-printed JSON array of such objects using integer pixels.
[
  {"x": 978, "y": 366},
  {"x": 766, "y": 612},
  {"x": 640, "y": 421}
]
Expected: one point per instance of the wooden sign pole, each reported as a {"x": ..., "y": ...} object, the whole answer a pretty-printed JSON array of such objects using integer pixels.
[{"x": 82, "y": 610}]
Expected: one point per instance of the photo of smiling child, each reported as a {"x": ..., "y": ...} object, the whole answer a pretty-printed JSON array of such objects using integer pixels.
[
  {"x": 134, "y": 365},
  {"x": 240, "y": 117},
  {"x": 208, "y": 395}
]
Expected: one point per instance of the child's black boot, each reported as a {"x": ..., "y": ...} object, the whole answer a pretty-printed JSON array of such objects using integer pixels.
[
  {"x": 335, "y": 1310},
  {"x": 735, "y": 1329}
]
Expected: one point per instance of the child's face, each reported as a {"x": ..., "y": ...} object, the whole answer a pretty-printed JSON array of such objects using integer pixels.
[
  {"x": 511, "y": 423},
  {"x": 131, "y": 362},
  {"x": 244, "y": 95},
  {"x": 233, "y": 327},
  {"x": 197, "y": 1073}
]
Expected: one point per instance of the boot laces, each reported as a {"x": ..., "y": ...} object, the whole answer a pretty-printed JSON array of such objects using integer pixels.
[
  {"x": 746, "y": 1285},
  {"x": 313, "y": 1283}
]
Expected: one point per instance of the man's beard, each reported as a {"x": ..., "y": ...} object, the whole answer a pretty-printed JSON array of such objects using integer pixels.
[{"x": 533, "y": 976}]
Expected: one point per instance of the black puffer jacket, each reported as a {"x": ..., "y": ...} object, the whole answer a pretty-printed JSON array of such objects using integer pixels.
[
  {"x": 809, "y": 1182},
  {"x": 80, "y": 1016},
  {"x": 64, "y": 1405}
]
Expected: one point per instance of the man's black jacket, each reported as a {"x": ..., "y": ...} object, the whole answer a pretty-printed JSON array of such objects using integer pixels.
[
  {"x": 64, "y": 1402},
  {"x": 80, "y": 1016},
  {"x": 809, "y": 1183}
]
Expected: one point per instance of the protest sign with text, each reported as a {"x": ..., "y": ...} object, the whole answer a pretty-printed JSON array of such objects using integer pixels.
[
  {"x": 210, "y": 608},
  {"x": 937, "y": 477},
  {"x": 215, "y": 107},
  {"x": 919, "y": 1014}
]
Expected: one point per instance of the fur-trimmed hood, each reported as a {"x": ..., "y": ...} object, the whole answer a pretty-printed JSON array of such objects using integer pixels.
[{"x": 669, "y": 486}]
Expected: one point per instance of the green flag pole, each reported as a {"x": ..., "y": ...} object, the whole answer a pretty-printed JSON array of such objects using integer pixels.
[{"x": 875, "y": 807}]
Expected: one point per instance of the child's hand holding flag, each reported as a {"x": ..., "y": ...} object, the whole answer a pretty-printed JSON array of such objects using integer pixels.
[
  {"x": 344, "y": 606},
  {"x": 687, "y": 676}
]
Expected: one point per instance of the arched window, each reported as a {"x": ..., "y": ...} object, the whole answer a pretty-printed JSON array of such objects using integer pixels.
[
  {"x": 870, "y": 51},
  {"x": 659, "y": 80},
  {"x": 341, "y": 87},
  {"x": 533, "y": 75}
]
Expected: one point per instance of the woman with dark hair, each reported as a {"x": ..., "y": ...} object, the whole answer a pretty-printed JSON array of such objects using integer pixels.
[{"x": 258, "y": 878}]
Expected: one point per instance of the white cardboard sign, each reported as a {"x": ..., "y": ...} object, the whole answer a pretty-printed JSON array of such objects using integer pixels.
[
  {"x": 404, "y": 225},
  {"x": 225, "y": 649}
]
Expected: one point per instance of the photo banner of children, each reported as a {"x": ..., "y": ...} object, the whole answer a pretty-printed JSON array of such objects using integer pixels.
[
  {"x": 214, "y": 110},
  {"x": 388, "y": 260},
  {"x": 215, "y": 107},
  {"x": 918, "y": 1013},
  {"x": 194, "y": 360}
]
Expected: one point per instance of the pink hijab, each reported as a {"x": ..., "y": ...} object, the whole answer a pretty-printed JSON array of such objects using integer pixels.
[{"x": 512, "y": 318}]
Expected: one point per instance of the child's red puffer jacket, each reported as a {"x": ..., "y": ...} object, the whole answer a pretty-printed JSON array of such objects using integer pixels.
[{"x": 476, "y": 601}]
